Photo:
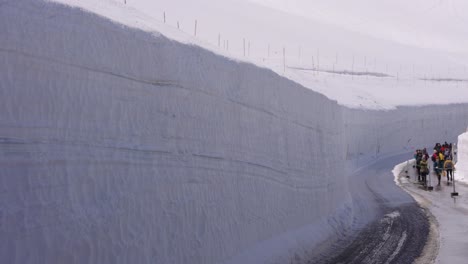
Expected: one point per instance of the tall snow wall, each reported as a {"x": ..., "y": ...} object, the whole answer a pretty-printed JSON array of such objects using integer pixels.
[
  {"x": 121, "y": 146},
  {"x": 461, "y": 173},
  {"x": 373, "y": 134}
]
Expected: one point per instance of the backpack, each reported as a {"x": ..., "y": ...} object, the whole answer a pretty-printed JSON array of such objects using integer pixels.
[
  {"x": 449, "y": 165},
  {"x": 433, "y": 158}
]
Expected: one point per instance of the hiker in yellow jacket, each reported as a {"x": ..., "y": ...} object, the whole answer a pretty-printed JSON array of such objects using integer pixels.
[{"x": 449, "y": 167}]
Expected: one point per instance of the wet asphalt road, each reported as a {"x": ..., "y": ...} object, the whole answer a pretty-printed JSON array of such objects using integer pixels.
[{"x": 400, "y": 228}]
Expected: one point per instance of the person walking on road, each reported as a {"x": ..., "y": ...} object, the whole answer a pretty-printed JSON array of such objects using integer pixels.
[
  {"x": 434, "y": 157},
  {"x": 449, "y": 167},
  {"x": 424, "y": 170},
  {"x": 419, "y": 157},
  {"x": 438, "y": 169}
]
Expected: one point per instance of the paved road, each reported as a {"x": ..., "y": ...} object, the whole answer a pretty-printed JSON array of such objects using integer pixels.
[
  {"x": 450, "y": 213},
  {"x": 400, "y": 229}
]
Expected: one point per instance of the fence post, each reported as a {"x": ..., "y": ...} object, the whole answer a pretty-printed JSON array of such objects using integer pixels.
[
  {"x": 284, "y": 59},
  {"x": 244, "y": 45},
  {"x": 318, "y": 61}
]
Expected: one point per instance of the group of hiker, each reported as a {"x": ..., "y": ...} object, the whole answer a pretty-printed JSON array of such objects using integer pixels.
[{"x": 442, "y": 162}]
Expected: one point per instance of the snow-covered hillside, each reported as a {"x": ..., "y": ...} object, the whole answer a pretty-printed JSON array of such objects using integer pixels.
[
  {"x": 364, "y": 53},
  {"x": 123, "y": 146}
]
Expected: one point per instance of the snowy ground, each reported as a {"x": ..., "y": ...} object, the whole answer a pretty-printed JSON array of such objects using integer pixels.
[
  {"x": 450, "y": 213},
  {"x": 364, "y": 54}
]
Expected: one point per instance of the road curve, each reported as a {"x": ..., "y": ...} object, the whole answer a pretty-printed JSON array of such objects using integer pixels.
[{"x": 400, "y": 227}]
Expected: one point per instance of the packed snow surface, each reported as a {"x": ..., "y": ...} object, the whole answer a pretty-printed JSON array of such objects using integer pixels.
[
  {"x": 462, "y": 158},
  {"x": 364, "y": 53},
  {"x": 123, "y": 145}
]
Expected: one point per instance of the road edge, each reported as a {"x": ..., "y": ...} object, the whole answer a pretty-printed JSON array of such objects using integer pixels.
[{"x": 432, "y": 246}]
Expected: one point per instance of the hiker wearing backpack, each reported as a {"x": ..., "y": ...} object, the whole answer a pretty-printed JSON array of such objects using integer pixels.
[
  {"x": 424, "y": 170},
  {"x": 449, "y": 167},
  {"x": 418, "y": 165}
]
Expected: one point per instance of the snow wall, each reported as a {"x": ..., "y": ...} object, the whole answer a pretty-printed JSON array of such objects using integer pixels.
[
  {"x": 121, "y": 146},
  {"x": 461, "y": 172}
]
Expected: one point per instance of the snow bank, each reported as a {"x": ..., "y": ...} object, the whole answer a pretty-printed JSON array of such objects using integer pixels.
[
  {"x": 461, "y": 174},
  {"x": 122, "y": 146}
]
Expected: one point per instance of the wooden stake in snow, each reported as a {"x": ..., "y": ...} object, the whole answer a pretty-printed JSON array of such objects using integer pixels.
[
  {"x": 164, "y": 17},
  {"x": 244, "y": 46},
  {"x": 219, "y": 40},
  {"x": 195, "y": 32},
  {"x": 178, "y": 27},
  {"x": 284, "y": 59},
  {"x": 268, "y": 50},
  {"x": 318, "y": 61}
]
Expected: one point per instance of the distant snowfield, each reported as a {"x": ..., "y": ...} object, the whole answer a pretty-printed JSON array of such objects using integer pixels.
[{"x": 421, "y": 47}]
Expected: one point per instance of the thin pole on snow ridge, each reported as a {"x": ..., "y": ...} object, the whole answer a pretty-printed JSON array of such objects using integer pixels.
[
  {"x": 164, "y": 17},
  {"x": 195, "y": 31},
  {"x": 284, "y": 59},
  {"x": 318, "y": 61},
  {"x": 244, "y": 46}
]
